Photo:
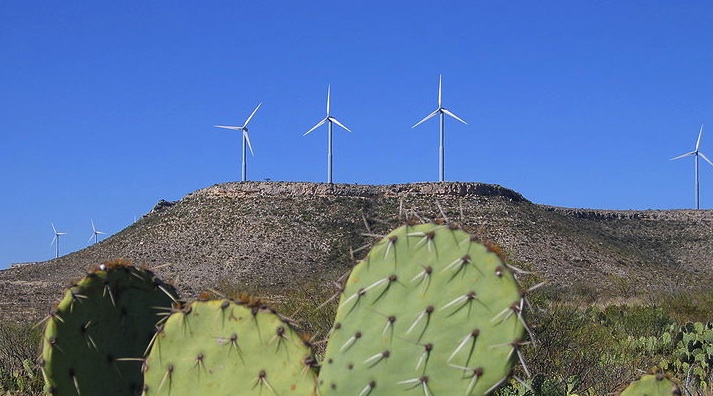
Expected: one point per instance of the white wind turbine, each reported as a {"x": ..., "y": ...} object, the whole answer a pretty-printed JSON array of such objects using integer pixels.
[
  {"x": 442, "y": 112},
  {"x": 696, "y": 153},
  {"x": 246, "y": 140},
  {"x": 95, "y": 233},
  {"x": 57, "y": 234},
  {"x": 329, "y": 120}
]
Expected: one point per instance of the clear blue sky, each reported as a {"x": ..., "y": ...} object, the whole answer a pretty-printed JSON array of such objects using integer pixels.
[{"x": 107, "y": 107}]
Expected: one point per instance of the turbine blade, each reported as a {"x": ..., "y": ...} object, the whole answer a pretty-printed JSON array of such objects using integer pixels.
[
  {"x": 684, "y": 155},
  {"x": 705, "y": 158},
  {"x": 329, "y": 91},
  {"x": 440, "y": 95},
  {"x": 54, "y": 229},
  {"x": 454, "y": 116},
  {"x": 90, "y": 238},
  {"x": 251, "y": 115},
  {"x": 247, "y": 140},
  {"x": 94, "y": 229},
  {"x": 53, "y": 239},
  {"x": 232, "y": 128},
  {"x": 334, "y": 120},
  {"x": 426, "y": 118},
  {"x": 698, "y": 141},
  {"x": 319, "y": 124}
]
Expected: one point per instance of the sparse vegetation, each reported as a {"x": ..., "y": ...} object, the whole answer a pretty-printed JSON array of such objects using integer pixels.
[
  {"x": 620, "y": 283},
  {"x": 595, "y": 350}
]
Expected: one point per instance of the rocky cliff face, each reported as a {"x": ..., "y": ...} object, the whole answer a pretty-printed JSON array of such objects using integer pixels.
[{"x": 272, "y": 236}]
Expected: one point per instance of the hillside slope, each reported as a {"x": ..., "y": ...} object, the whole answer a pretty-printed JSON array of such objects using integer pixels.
[{"x": 272, "y": 236}]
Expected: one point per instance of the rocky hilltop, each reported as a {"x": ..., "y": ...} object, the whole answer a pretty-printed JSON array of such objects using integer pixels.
[{"x": 273, "y": 236}]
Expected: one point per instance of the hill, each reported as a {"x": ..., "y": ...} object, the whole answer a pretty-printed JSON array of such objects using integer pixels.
[{"x": 269, "y": 237}]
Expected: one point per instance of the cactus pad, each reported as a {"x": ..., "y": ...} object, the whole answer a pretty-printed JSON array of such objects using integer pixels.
[
  {"x": 227, "y": 348},
  {"x": 95, "y": 339},
  {"x": 429, "y": 311},
  {"x": 652, "y": 385}
]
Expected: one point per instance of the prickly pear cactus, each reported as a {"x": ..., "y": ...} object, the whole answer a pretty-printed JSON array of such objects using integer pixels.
[
  {"x": 95, "y": 339},
  {"x": 652, "y": 385},
  {"x": 225, "y": 348},
  {"x": 429, "y": 311}
]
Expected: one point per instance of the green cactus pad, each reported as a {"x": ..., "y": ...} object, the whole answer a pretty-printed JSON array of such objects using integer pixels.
[
  {"x": 94, "y": 341},
  {"x": 429, "y": 311},
  {"x": 226, "y": 348},
  {"x": 652, "y": 385}
]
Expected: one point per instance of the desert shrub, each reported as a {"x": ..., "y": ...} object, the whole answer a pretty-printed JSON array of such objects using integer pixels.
[
  {"x": 623, "y": 286},
  {"x": 635, "y": 321},
  {"x": 687, "y": 306},
  {"x": 549, "y": 293},
  {"x": 591, "y": 350},
  {"x": 570, "y": 342},
  {"x": 584, "y": 291},
  {"x": 539, "y": 385},
  {"x": 19, "y": 348}
]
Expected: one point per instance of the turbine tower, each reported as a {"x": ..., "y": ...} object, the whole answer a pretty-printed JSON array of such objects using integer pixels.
[
  {"x": 95, "y": 233},
  {"x": 57, "y": 234},
  {"x": 329, "y": 120},
  {"x": 246, "y": 140},
  {"x": 442, "y": 112},
  {"x": 696, "y": 153}
]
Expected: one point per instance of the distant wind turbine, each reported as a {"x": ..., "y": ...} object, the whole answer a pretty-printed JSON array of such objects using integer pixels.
[
  {"x": 95, "y": 233},
  {"x": 57, "y": 234},
  {"x": 329, "y": 120},
  {"x": 442, "y": 112},
  {"x": 696, "y": 153},
  {"x": 246, "y": 140}
]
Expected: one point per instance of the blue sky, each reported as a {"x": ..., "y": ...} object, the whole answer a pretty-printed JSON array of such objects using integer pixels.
[{"x": 107, "y": 107}]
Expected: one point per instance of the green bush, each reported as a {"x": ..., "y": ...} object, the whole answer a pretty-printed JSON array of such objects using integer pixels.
[
  {"x": 635, "y": 321},
  {"x": 687, "y": 306},
  {"x": 587, "y": 350},
  {"x": 19, "y": 347}
]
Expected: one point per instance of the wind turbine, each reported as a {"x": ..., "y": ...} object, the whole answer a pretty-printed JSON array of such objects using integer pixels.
[
  {"x": 95, "y": 233},
  {"x": 442, "y": 112},
  {"x": 696, "y": 153},
  {"x": 329, "y": 120},
  {"x": 246, "y": 140},
  {"x": 57, "y": 234}
]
